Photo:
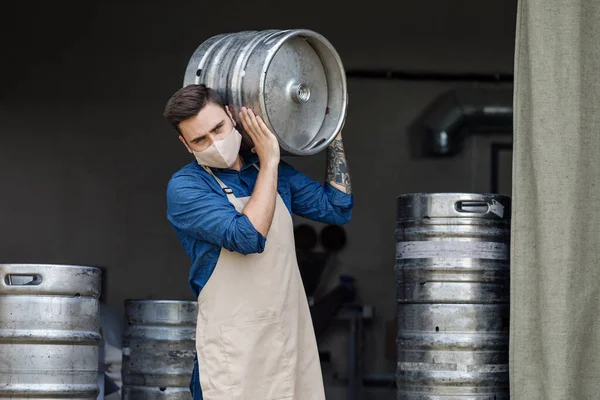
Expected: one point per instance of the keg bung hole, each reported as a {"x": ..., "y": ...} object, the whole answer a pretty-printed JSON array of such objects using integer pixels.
[
  {"x": 299, "y": 92},
  {"x": 198, "y": 72},
  {"x": 437, "y": 328},
  {"x": 303, "y": 93},
  {"x": 162, "y": 389},
  {"x": 77, "y": 295},
  {"x": 23, "y": 279}
]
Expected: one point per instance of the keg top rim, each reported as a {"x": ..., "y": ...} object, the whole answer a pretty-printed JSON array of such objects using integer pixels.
[
  {"x": 40, "y": 265},
  {"x": 455, "y": 194},
  {"x": 164, "y": 301}
]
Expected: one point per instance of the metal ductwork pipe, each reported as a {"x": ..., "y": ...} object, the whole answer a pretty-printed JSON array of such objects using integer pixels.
[{"x": 459, "y": 113}]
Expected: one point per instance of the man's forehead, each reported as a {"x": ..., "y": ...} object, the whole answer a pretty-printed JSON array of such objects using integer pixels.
[
  {"x": 204, "y": 121},
  {"x": 211, "y": 112}
]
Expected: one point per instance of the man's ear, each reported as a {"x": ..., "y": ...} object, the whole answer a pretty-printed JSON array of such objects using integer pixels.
[
  {"x": 182, "y": 140},
  {"x": 228, "y": 109}
]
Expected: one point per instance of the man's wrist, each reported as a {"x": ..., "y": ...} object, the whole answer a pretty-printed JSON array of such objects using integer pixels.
[{"x": 270, "y": 164}]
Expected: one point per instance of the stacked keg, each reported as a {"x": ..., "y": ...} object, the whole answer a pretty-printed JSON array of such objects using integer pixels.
[
  {"x": 158, "y": 349},
  {"x": 453, "y": 276},
  {"x": 49, "y": 331}
]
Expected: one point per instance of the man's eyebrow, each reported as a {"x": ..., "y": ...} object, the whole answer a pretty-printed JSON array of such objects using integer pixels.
[
  {"x": 217, "y": 126},
  {"x": 197, "y": 138}
]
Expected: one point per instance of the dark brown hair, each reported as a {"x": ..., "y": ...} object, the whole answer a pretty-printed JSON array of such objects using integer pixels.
[{"x": 188, "y": 101}]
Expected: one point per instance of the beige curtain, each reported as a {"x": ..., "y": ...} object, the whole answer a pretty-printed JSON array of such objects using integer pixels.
[{"x": 555, "y": 260}]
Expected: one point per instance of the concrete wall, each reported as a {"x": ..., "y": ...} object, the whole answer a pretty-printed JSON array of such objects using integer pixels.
[{"x": 85, "y": 154}]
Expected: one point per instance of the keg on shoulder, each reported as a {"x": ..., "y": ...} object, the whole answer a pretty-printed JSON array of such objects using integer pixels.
[
  {"x": 49, "y": 331},
  {"x": 293, "y": 78},
  {"x": 453, "y": 279},
  {"x": 159, "y": 346}
]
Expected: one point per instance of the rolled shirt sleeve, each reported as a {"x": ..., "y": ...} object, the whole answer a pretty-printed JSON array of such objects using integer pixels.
[
  {"x": 196, "y": 210},
  {"x": 318, "y": 202}
]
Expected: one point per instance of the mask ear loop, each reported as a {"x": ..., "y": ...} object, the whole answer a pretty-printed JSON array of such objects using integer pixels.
[
  {"x": 245, "y": 145},
  {"x": 234, "y": 128}
]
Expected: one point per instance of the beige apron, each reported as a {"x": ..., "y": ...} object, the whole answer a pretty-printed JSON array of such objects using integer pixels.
[{"x": 255, "y": 339}]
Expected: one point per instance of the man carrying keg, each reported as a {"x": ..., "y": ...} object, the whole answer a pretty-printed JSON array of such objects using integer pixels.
[{"x": 232, "y": 210}]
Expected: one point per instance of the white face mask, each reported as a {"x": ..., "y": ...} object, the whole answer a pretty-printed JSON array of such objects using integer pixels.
[{"x": 222, "y": 153}]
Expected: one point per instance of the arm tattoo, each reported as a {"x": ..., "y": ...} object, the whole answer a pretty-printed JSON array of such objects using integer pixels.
[{"x": 337, "y": 167}]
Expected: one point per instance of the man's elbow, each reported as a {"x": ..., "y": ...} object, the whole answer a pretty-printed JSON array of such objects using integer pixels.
[
  {"x": 255, "y": 248},
  {"x": 342, "y": 216},
  {"x": 249, "y": 242},
  {"x": 243, "y": 238},
  {"x": 344, "y": 219},
  {"x": 341, "y": 206}
]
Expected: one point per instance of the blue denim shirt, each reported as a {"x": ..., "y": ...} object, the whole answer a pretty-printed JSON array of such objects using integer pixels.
[{"x": 205, "y": 221}]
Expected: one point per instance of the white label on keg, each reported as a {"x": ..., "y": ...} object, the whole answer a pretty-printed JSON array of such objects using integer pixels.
[
  {"x": 497, "y": 208},
  {"x": 452, "y": 249},
  {"x": 126, "y": 351}
]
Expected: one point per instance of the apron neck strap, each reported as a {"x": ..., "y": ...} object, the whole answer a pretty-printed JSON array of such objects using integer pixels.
[{"x": 226, "y": 189}]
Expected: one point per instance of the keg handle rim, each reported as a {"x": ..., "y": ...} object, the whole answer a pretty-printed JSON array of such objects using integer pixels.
[
  {"x": 475, "y": 207},
  {"x": 7, "y": 280}
]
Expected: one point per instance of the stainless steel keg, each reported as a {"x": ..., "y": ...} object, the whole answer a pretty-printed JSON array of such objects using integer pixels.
[
  {"x": 158, "y": 349},
  {"x": 49, "y": 331},
  {"x": 293, "y": 78},
  {"x": 453, "y": 279}
]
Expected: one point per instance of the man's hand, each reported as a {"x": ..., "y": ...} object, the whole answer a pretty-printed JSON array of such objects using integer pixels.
[
  {"x": 261, "y": 206},
  {"x": 266, "y": 145}
]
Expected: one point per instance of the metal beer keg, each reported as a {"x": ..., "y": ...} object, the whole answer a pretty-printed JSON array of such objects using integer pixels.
[
  {"x": 49, "y": 331},
  {"x": 159, "y": 349},
  {"x": 453, "y": 281},
  {"x": 294, "y": 79}
]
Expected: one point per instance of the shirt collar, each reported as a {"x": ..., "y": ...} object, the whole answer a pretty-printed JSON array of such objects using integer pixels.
[{"x": 249, "y": 159}]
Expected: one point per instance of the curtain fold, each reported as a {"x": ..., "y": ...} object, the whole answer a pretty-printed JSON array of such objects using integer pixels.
[{"x": 555, "y": 249}]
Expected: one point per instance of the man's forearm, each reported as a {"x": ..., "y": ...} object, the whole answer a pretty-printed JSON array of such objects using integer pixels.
[
  {"x": 338, "y": 175},
  {"x": 261, "y": 206}
]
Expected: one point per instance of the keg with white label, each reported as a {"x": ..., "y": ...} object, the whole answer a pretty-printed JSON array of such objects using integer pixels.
[
  {"x": 453, "y": 279},
  {"x": 49, "y": 331},
  {"x": 293, "y": 78}
]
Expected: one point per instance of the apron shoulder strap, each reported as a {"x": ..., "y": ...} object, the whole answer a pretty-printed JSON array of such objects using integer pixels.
[{"x": 226, "y": 189}]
